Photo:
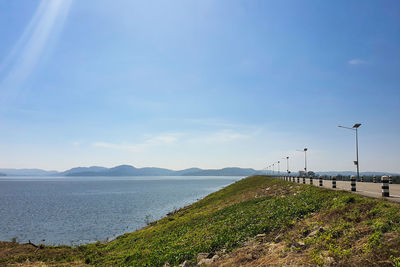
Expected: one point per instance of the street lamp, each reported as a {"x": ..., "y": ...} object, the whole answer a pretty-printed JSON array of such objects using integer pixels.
[
  {"x": 355, "y": 128},
  {"x": 279, "y": 170},
  {"x": 287, "y": 165},
  {"x": 305, "y": 159}
]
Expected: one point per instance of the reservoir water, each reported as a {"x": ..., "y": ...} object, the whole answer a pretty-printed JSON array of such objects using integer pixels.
[{"x": 78, "y": 210}]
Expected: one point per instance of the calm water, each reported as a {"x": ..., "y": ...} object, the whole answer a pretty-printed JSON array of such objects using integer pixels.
[{"x": 76, "y": 210}]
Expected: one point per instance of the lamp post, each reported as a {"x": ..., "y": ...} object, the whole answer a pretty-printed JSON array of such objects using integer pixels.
[
  {"x": 287, "y": 166},
  {"x": 305, "y": 159},
  {"x": 355, "y": 128},
  {"x": 279, "y": 170}
]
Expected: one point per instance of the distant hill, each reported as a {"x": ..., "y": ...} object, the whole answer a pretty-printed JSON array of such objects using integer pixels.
[
  {"x": 127, "y": 170},
  {"x": 27, "y": 172},
  {"x": 92, "y": 169}
]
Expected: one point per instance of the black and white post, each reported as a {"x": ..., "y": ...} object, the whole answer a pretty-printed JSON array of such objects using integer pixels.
[
  {"x": 333, "y": 181},
  {"x": 353, "y": 183},
  {"x": 385, "y": 186}
]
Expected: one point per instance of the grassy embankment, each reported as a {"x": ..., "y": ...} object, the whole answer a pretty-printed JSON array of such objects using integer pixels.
[{"x": 303, "y": 224}]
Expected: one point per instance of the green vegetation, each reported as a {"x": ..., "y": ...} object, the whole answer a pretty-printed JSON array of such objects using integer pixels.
[{"x": 349, "y": 228}]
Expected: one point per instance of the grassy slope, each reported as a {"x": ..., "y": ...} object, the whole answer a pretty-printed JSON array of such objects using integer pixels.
[{"x": 354, "y": 229}]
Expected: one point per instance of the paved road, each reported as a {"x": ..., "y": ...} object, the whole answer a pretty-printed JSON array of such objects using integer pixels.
[{"x": 363, "y": 188}]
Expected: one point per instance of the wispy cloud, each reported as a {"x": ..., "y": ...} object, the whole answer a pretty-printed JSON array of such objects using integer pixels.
[
  {"x": 225, "y": 136},
  {"x": 219, "y": 137},
  {"x": 357, "y": 61},
  {"x": 210, "y": 138},
  {"x": 124, "y": 147},
  {"x": 218, "y": 123},
  {"x": 76, "y": 143},
  {"x": 159, "y": 140},
  {"x": 27, "y": 52}
]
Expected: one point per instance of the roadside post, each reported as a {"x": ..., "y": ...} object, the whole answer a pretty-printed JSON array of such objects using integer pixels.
[
  {"x": 353, "y": 183},
  {"x": 333, "y": 181},
  {"x": 385, "y": 186},
  {"x": 320, "y": 181},
  {"x": 390, "y": 179},
  {"x": 298, "y": 179},
  {"x": 374, "y": 179}
]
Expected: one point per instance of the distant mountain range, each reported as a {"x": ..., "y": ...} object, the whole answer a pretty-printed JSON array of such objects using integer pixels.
[
  {"x": 25, "y": 172},
  {"x": 127, "y": 170}
]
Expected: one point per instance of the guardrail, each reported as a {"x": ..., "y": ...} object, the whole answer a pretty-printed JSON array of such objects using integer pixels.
[{"x": 352, "y": 185}]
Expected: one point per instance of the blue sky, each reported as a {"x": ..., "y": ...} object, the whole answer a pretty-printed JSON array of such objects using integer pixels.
[{"x": 211, "y": 84}]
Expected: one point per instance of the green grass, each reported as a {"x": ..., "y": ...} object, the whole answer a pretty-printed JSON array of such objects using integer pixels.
[{"x": 223, "y": 220}]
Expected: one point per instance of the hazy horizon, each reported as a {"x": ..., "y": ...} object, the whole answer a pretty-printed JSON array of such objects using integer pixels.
[
  {"x": 207, "y": 84},
  {"x": 139, "y": 167}
]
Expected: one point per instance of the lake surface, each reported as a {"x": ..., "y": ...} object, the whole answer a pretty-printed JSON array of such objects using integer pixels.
[{"x": 77, "y": 210}]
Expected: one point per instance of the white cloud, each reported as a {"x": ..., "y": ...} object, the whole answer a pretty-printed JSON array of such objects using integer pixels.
[
  {"x": 210, "y": 138},
  {"x": 219, "y": 123},
  {"x": 159, "y": 140},
  {"x": 220, "y": 137},
  {"x": 125, "y": 147},
  {"x": 162, "y": 139},
  {"x": 357, "y": 61},
  {"x": 76, "y": 143}
]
